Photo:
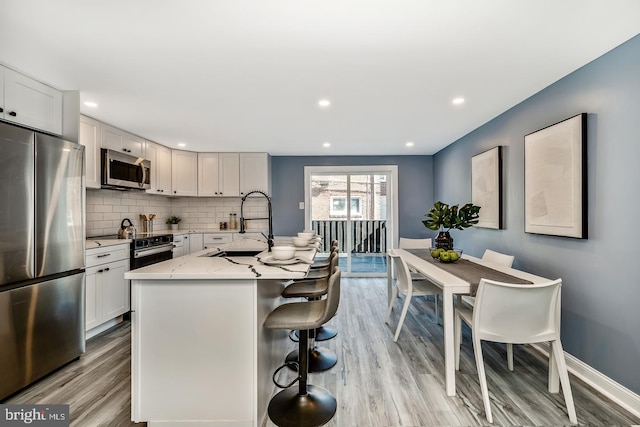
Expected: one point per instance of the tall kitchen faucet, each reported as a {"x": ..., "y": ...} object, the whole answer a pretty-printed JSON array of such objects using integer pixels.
[{"x": 270, "y": 218}]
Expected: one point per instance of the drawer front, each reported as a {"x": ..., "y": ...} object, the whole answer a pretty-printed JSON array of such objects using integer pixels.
[
  {"x": 98, "y": 256},
  {"x": 211, "y": 240}
]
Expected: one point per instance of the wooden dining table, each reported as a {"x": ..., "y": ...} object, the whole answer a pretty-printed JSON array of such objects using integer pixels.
[{"x": 453, "y": 285}]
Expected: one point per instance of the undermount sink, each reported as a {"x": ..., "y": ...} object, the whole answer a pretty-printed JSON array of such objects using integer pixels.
[{"x": 232, "y": 253}]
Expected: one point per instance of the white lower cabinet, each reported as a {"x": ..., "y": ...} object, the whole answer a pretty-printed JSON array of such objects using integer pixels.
[
  {"x": 179, "y": 241},
  {"x": 195, "y": 242},
  {"x": 107, "y": 291}
]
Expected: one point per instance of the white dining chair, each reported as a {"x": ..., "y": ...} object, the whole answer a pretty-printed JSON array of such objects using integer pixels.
[
  {"x": 409, "y": 288},
  {"x": 506, "y": 261},
  {"x": 498, "y": 258},
  {"x": 426, "y": 243},
  {"x": 407, "y": 243},
  {"x": 516, "y": 314}
]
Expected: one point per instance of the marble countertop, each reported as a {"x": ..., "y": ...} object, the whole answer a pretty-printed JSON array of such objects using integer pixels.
[
  {"x": 205, "y": 231},
  {"x": 203, "y": 265}
]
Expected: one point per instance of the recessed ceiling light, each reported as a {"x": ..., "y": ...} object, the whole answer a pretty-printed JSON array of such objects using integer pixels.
[
  {"x": 91, "y": 104},
  {"x": 181, "y": 144},
  {"x": 409, "y": 144},
  {"x": 458, "y": 101},
  {"x": 326, "y": 144},
  {"x": 324, "y": 103}
]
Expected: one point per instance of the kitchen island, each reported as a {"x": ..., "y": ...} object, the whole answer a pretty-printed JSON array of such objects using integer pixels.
[{"x": 200, "y": 355}]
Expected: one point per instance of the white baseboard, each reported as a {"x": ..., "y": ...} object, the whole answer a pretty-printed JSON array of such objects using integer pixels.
[
  {"x": 605, "y": 385},
  {"x": 103, "y": 327}
]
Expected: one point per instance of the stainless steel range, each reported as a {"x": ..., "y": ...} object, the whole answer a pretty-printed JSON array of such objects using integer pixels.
[{"x": 150, "y": 249}]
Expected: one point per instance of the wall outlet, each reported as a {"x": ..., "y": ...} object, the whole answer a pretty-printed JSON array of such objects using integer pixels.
[{"x": 301, "y": 205}]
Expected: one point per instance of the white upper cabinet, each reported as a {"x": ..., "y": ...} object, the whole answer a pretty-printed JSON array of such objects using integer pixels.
[
  {"x": 31, "y": 103},
  {"x": 124, "y": 142},
  {"x": 160, "y": 158},
  {"x": 184, "y": 173},
  {"x": 177, "y": 172},
  {"x": 255, "y": 172},
  {"x": 218, "y": 174},
  {"x": 91, "y": 137},
  {"x": 229, "y": 176},
  {"x": 208, "y": 174}
]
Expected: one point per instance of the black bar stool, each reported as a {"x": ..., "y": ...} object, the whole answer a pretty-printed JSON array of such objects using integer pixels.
[{"x": 309, "y": 405}]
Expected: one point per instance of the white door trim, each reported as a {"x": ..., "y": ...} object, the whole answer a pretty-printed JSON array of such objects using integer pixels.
[{"x": 392, "y": 218}]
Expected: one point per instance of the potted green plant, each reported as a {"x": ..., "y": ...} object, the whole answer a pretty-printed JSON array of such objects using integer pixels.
[
  {"x": 173, "y": 221},
  {"x": 443, "y": 218}
]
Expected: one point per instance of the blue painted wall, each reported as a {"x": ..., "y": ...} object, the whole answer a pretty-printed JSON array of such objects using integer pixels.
[
  {"x": 601, "y": 279},
  {"x": 415, "y": 188}
]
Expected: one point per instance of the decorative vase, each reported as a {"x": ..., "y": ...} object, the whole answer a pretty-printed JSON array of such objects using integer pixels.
[
  {"x": 174, "y": 227},
  {"x": 444, "y": 240}
]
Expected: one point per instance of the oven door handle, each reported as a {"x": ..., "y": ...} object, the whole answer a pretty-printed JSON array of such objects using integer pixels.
[{"x": 152, "y": 251}]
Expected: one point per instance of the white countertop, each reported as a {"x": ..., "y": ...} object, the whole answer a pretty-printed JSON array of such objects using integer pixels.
[
  {"x": 201, "y": 266},
  {"x": 204, "y": 231}
]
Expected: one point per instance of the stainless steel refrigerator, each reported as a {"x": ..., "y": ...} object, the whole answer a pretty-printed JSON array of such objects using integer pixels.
[{"x": 42, "y": 242}]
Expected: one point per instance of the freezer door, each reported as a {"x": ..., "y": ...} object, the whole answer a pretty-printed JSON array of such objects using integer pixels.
[
  {"x": 60, "y": 237},
  {"x": 17, "y": 207},
  {"x": 41, "y": 329}
]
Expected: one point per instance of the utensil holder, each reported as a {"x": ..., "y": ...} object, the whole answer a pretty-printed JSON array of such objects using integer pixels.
[{"x": 147, "y": 226}]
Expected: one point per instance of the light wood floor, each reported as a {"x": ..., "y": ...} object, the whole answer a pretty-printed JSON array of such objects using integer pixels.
[{"x": 377, "y": 382}]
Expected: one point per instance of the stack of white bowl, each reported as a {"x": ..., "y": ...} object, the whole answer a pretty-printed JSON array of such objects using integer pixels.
[
  {"x": 311, "y": 238},
  {"x": 283, "y": 252}
]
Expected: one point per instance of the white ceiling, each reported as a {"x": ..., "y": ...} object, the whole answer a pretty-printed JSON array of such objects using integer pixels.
[{"x": 246, "y": 75}]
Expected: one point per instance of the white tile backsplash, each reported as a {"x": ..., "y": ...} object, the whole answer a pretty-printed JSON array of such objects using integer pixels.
[{"x": 107, "y": 208}]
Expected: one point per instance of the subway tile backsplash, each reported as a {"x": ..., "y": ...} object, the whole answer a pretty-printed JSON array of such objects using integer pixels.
[{"x": 107, "y": 208}]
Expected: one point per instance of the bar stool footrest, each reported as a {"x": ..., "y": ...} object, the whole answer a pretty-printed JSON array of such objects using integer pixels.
[
  {"x": 290, "y": 409},
  {"x": 320, "y": 359},
  {"x": 323, "y": 333}
]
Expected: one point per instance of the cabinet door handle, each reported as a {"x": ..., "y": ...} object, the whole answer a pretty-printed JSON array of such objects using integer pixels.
[
  {"x": 13, "y": 113},
  {"x": 99, "y": 271},
  {"x": 106, "y": 269},
  {"x": 1, "y": 109},
  {"x": 103, "y": 255}
]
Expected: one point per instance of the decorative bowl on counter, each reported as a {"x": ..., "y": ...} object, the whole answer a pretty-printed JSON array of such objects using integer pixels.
[
  {"x": 300, "y": 242},
  {"x": 283, "y": 252},
  {"x": 446, "y": 256},
  {"x": 313, "y": 232}
]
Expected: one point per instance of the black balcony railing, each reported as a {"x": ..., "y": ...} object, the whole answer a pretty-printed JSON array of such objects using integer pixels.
[{"x": 367, "y": 236}]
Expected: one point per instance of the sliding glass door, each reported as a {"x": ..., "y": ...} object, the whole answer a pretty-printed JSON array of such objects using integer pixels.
[{"x": 354, "y": 205}]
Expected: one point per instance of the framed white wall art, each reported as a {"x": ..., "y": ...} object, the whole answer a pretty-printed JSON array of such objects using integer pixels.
[
  {"x": 555, "y": 179},
  {"x": 486, "y": 187}
]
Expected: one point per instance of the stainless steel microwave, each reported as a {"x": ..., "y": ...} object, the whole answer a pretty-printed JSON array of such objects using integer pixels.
[{"x": 123, "y": 171}]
